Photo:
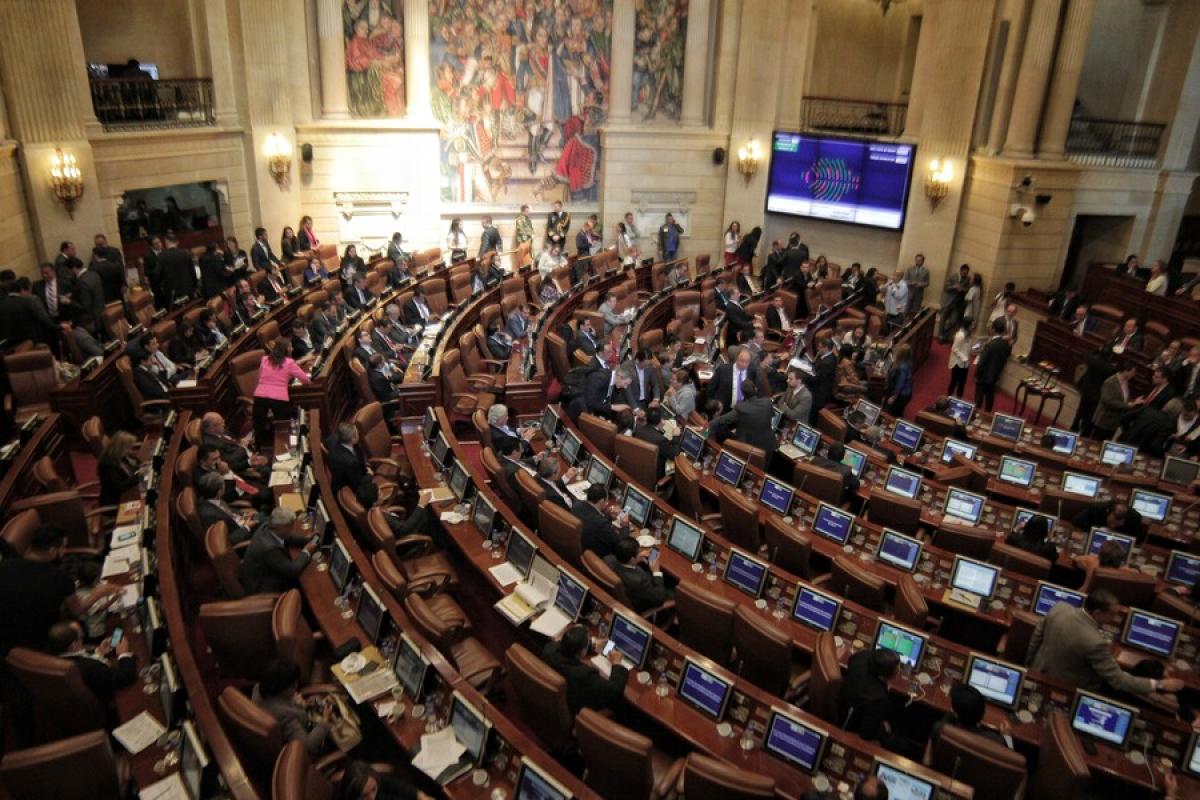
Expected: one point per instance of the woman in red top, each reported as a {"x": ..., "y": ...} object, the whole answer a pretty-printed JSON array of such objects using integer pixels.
[{"x": 271, "y": 396}]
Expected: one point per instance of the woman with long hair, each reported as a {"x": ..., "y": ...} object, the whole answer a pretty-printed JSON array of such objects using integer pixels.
[
  {"x": 733, "y": 238},
  {"x": 360, "y": 782},
  {"x": 289, "y": 244},
  {"x": 315, "y": 271},
  {"x": 899, "y": 380},
  {"x": 960, "y": 359},
  {"x": 307, "y": 236},
  {"x": 117, "y": 468},
  {"x": 456, "y": 241},
  {"x": 352, "y": 264},
  {"x": 627, "y": 249},
  {"x": 271, "y": 398},
  {"x": 744, "y": 256}
]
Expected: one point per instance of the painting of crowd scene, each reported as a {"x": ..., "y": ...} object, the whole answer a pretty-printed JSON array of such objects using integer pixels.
[
  {"x": 374, "y": 31},
  {"x": 660, "y": 35}
]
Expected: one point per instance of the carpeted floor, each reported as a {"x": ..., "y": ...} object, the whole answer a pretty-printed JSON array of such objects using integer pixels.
[{"x": 933, "y": 377}]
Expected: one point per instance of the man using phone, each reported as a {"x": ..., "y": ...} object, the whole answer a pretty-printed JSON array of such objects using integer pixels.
[
  {"x": 100, "y": 675},
  {"x": 586, "y": 687},
  {"x": 639, "y": 572}
]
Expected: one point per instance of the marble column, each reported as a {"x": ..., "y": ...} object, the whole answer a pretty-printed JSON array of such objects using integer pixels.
[
  {"x": 1018, "y": 13},
  {"x": 1065, "y": 83},
  {"x": 1033, "y": 79},
  {"x": 220, "y": 58},
  {"x": 797, "y": 58},
  {"x": 620, "y": 78},
  {"x": 695, "y": 63},
  {"x": 335, "y": 102},
  {"x": 416, "y": 60}
]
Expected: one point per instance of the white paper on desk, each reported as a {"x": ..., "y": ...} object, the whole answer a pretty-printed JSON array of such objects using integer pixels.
[
  {"x": 551, "y": 623},
  {"x": 438, "y": 751},
  {"x": 125, "y": 536},
  {"x": 280, "y": 479},
  {"x": 452, "y": 517},
  {"x": 188, "y": 384},
  {"x": 139, "y": 733},
  {"x": 535, "y": 592},
  {"x": 602, "y": 664},
  {"x": 169, "y": 788},
  {"x": 117, "y": 562},
  {"x": 505, "y": 574},
  {"x": 128, "y": 599},
  {"x": 284, "y": 464}
]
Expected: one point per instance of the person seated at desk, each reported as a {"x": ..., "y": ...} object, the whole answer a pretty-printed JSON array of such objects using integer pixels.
[
  {"x": 1114, "y": 516},
  {"x": 392, "y": 333},
  {"x": 118, "y": 468},
  {"x": 613, "y": 318},
  {"x": 749, "y": 420},
  {"x": 680, "y": 397},
  {"x": 639, "y": 573},
  {"x": 520, "y": 322},
  {"x": 605, "y": 393},
  {"x": 278, "y": 693},
  {"x": 968, "y": 707},
  {"x": 352, "y": 264},
  {"x": 555, "y": 487},
  {"x": 148, "y": 382},
  {"x": 213, "y": 509},
  {"x": 74, "y": 323},
  {"x": 651, "y": 432},
  {"x": 101, "y": 677},
  {"x": 500, "y": 431},
  {"x": 864, "y": 703},
  {"x": 358, "y": 296},
  {"x": 187, "y": 345},
  {"x": 379, "y": 380},
  {"x": 599, "y": 535},
  {"x": 346, "y": 463},
  {"x": 417, "y": 311},
  {"x": 1185, "y": 439},
  {"x": 236, "y": 454},
  {"x": 1069, "y": 644},
  {"x": 360, "y": 782},
  {"x": 337, "y": 308},
  {"x": 266, "y": 565},
  {"x": 1128, "y": 340},
  {"x": 833, "y": 462},
  {"x": 847, "y": 379},
  {"x": 237, "y": 487},
  {"x": 499, "y": 345},
  {"x": 247, "y": 304},
  {"x": 211, "y": 332},
  {"x": 1032, "y": 539},
  {"x": 304, "y": 348},
  {"x": 941, "y": 407},
  {"x": 586, "y": 687},
  {"x": 314, "y": 271},
  {"x": 421, "y": 520},
  {"x": 364, "y": 347},
  {"x": 322, "y": 324},
  {"x": 1110, "y": 556}
]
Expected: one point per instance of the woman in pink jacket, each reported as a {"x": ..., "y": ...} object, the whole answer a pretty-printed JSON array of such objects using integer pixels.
[{"x": 271, "y": 397}]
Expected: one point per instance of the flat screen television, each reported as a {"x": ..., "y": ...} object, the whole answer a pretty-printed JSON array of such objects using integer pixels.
[{"x": 857, "y": 181}]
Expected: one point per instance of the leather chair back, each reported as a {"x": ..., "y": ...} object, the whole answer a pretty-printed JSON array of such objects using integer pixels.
[
  {"x": 602, "y": 574},
  {"x": 47, "y": 477},
  {"x": 268, "y": 332},
  {"x": 831, "y": 424},
  {"x": 969, "y": 542},
  {"x": 31, "y": 378},
  {"x": 530, "y": 491},
  {"x": 1021, "y": 628},
  {"x": 764, "y": 651},
  {"x": 755, "y": 456},
  {"x": 856, "y": 584},
  {"x": 1018, "y": 560},
  {"x": 1062, "y": 769},
  {"x": 460, "y": 287},
  {"x": 495, "y": 475},
  {"x": 195, "y": 432},
  {"x": 823, "y": 484},
  {"x": 224, "y": 560},
  {"x": 1155, "y": 336},
  {"x": 62, "y": 704},
  {"x": 600, "y": 432},
  {"x": 788, "y": 548},
  {"x": 705, "y": 621},
  {"x": 562, "y": 531},
  {"x": 739, "y": 518},
  {"x": 428, "y": 623},
  {"x": 1063, "y": 504},
  {"x": 238, "y": 632},
  {"x": 482, "y": 429},
  {"x": 651, "y": 340},
  {"x": 19, "y": 529},
  {"x": 1131, "y": 588},
  {"x": 141, "y": 307},
  {"x": 560, "y": 362},
  {"x": 826, "y": 680},
  {"x": 79, "y": 767},
  {"x": 617, "y": 760},
  {"x": 255, "y": 733},
  {"x": 687, "y": 488},
  {"x": 542, "y": 695},
  {"x": 936, "y": 424},
  {"x": 638, "y": 458},
  {"x": 1172, "y": 605},
  {"x": 707, "y": 778},
  {"x": 373, "y": 435},
  {"x": 358, "y": 372},
  {"x": 994, "y": 771},
  {"x": 113, "y": 322},
  {"x": 893, "y": 511},
  {"x": 294, "y": 640},
  {"x": 92, "y": 431},
  {"x": 185, "y": 509},
  {"x": 910, "y": 607},
  {"x": 296, "y": 778},
  {"x": 185, "y": 466},
  {"x": 243, "y": 369},
  {"x": 708, "y": 303}
]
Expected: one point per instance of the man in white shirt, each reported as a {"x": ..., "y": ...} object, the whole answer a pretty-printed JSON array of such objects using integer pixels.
[
  {"x": 550, "y": 260},
  {"x": 895, "y": 299}
]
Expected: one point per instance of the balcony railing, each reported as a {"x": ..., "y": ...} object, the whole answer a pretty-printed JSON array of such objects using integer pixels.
[
  {"x": 863, "y": 117},
  {"x": 142, "y": 103},
  {"x": 1114, "y": 143}
]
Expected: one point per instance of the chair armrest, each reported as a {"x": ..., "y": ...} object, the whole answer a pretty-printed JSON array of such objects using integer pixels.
[
  {"x": 430, "y": 584},
  {"x": 100, "y": 510},
  {"x": 417, "y": 541},
  {"x": 495, "y": 363},
  {"x": 822, "y": 580},
  {"x": 150, "y": 405},
  {"x": 480, "y": 383},
  {"x": 661, "y": 614},
  {"x": 322, "y": 688},
  {"x": 674, "y": 776},
  {"x": 464, "y": 403},
  {"x": 331, "y": 762}
]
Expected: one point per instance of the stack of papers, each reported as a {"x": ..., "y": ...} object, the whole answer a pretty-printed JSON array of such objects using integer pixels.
[
  {"x": 118, "y": 562},
  {"x": 279, "y": 478},
  {"x": 452, "y": 517},
  {"x": 370, "y": 681},
  {"x": 285, "y": 464},
  {"x": 169, "y": 788},
  {"x": 438, "y": 751},
  {"x": 505, "y": 573},
  {"x": 129, "y": 512},
  {"x": 125, "y": 536},
  {"x": 551, "y": 623},
  {"x": 139, "y": 733},
  {"x": 515, "y": 608}
]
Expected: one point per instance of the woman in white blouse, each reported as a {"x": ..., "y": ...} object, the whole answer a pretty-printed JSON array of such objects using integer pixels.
[
  {"x": 973, "y": 301},
  {"x": 733, "y": 238},
  {"x": 456, "y": 242},
  {"x": 1158, "y": 280},
  {"x": 960, "y": 359},
  {"x": 627, "y": 248}
]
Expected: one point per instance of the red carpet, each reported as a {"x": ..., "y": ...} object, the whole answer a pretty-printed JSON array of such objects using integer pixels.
[{"x": 933, "y": 378}]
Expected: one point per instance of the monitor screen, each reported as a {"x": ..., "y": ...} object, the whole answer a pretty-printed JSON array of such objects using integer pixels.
[
  {"x": 533, "y": 784},
  {"x": 907, "y": 435},
  {"x": 439, "y": 451},
  {"x": 898, "y": 550},
  {"x": 637, "y": 504},
  {"x": 1150, "y": 632},
  {"x": 570, "y": 448},
  {"x": 321, "y": 527},
  {"x": 745, "y": 573},
  {"x": 1017, "y": 472},
  {"x": 168, "y": 690},
  {"x": 1023, "y": 515},
  {"x": 570, "y": 595},
  {"x": 339, "y": 565},
  {"x": 953, "y": 447},
  {"x": 776, "y": 496},
  {"x": 1191, "y": 756},
  {"x": 1006, "y": 427},
  {"x": 549, "y": 422},
  {"x": 975, "y": 577},
  {"x": 410, "y": 667},
  {"x": 703, "y": 690},
  {"x": 193, "y": 761},
  {"x": 959, "y": 410},
  {"x": 1098, "y": 537},
  {"x": 964, "y": 505},
  {"x": 520, "y": 552},
  {"x": 902, "y": 785},
  {"x": 729, "y": 469},
  {"x": 870, "y": 412},
  {"x": 1102, "y": 718},
  {"x": 856, "y": 460},
  {"x": 1084, "y": 485},
  {"x": 632, "y": 639},
  {"x": 599, "y": 473},
  {"x": 995, "y": 680},
  {"x": 907, "y": 644},
  {"x": 805, "y": 439},
  {"x": 685, "y": 538},
  {"x": 1115, "y": 454},
  {"x": 1154, "y": 507},
  {"x": 1049, "y": 595},
  {"x": 470, "y": 727},
  {"x": 483, "y": 515},
  {"x": 459, "y": 481},
  {"x": 1180, "y": 470},
  {"x": 793, "y": 741},
  {"x": 1064, "y": 441},
  {"x": 816, "y": 609},
  {"x": 1183, "y": 568},
  {"x": 691, "y": 444},
  {"x": 856, "y": 181},
  {"x": 429, "y": 423},
  {"x": 902, "y": 482},
  {"x": 371, "y": 613},
  {"x": 833, "y": 523}
]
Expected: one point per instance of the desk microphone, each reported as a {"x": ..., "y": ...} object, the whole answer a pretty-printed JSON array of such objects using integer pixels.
[{"x": 954, "y": 770}]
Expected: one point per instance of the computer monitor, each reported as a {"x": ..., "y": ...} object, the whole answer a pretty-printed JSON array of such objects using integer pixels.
[
  {"x": 599, "y": 473},
  {"x": 793, "y": 741},
  {"x": 805, "y": 439},
  {"x": 631, "y": 638},
  {"x": 691, "y": 444},
  {"x": 1152, "y": 506},
  {"x": 459, "y": 480},
  {"x": 570, "y": 448},
  {"x": 470, "y": 727},
  {"x": 439, "y": 450},
  {"x": 1023, "y": 515},
  {"x": 321, "y": 527},
  {"x": 776, "y": 417},
  {"x": 534, "y": 784},
  {"x": 1102, "y": 718},
  {"x": 816, "y": 609},
  {"x": 429, "y": 424},
  {"x": 902, "y": 785},
  {"x": 1099, "y": 536},
  {"x": 1049, "y": 595},
  {"x": 959, "y": 410},
  {"x": 833, "y": 523},
  {"x": 483, "y": 514},
  {"x": 729, "y": 469},
  {"x": 897, "y": 550},
  {"x": 549, "y": 422},
  {"x": 410, "y": 667},
  {"x": 975, "y": 577},
  {"x": 856, "y": 460},
  {"x": 870, "y": 412},
  {"x": 1084, "y": 485},
  {"x": 1006, "y": 427},
  {"x": 169, "y": 694},
  {"x": 907, "y": 435},
  {"x": 1064, "y": 442},
  {"x": 904, "y": 642},
  {"x": 963, "y": 505},
  {"x": 1115, "y": 454},
  {"x": 1179, "y": 470},
  {"x": 685, "y": 538},
  {"x": 1150, "y": 632},
  {"x": 902, "y": 482},
  {"x": 1182, "y": 568},
  {"x": 637, "y": 504},
  {"x": 703, "y": 689},
  {"x": 520, "y": 553},
  {"x": 370, "y": 614},
  {"x": 776, "y": 496},
  {"x": 193, "y": 762},
  {"x": 339, "y": 565},
  {"x": 1191, "y": 756},
  {"x": 570, "y": 595},
  {"x": 746, "y": 573},
  {"x": 995, "y": 680},
  {"x": 1017, "y": 472},
  {"x": 953, "y": 447}
]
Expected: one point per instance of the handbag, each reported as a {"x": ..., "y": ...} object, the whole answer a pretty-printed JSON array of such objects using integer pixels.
[{"x": 345, "y": 729}]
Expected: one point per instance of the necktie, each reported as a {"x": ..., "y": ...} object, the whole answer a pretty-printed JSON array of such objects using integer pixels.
[
  {"x": 737, "y": 386},
  {"x": 52, "y": 298}
]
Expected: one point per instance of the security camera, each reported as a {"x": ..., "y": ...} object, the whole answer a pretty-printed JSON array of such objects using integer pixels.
[
  {"x": 1026, "y": 183},
  {"x": 1028, "y": 217}
]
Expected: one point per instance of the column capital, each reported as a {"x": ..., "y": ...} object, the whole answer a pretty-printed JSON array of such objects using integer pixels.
[
  {"x": 1065, "y": 85},
  {"x": 1033, "y": 79},
  {"x": 695, "y": 63}
]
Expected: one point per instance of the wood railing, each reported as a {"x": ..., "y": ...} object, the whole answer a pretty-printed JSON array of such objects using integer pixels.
[
  {"x": 1114, "y": 142},
  {"x": 843, "y": 115},
  {"x": 144, "y": 103}
]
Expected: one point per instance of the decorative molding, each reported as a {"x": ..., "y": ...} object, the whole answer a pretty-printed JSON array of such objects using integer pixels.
[
  {"x": 663, "y": 199},
  {"x": 348, "y": 202}
]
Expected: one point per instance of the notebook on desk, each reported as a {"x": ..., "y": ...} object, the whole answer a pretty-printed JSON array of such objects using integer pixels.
[{"x": 373, "y": 680}]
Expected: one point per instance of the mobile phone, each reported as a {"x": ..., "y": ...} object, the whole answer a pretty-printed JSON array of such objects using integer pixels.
[
  {"x": 608, "y": 648},
  {"x": 116, "y": 637},
  {"x": 654, "y": 553}
]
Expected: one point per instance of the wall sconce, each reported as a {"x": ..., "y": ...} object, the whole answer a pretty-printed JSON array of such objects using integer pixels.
[
  {"x": 66, "y": 181},
  {"x": 279, "y": 157},
  {"x": 749, "y": 155},
  {"x": 937, "y": 181}
]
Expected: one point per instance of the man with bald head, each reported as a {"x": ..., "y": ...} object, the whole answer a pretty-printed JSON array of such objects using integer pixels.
[{"x": 240, "y": 458}]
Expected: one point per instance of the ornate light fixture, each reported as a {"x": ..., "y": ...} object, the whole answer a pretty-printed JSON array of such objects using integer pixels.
[
  {"x": 937, "y": 181},
  {"x": 749, "y": 156},
  {"x": 279, "y": 157},
  {"x": 66, "y": 181}
]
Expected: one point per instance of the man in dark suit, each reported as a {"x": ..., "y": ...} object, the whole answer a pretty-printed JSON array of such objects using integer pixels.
[
  {"x": 644, "y": 585},
  {"x": 737, "y": 317},
  {"x": 778, "y": 317},
  {"x": 322, "y": 324},
  {"x": 260, "y": 253},
  {"x": 67, "y": 258},
  {"x": 23, "y": 318},
  {"x": 233, "y": 452},
  {"x": 833, "y": 463},
  {"x": 110, "y": 266},
  {"x": 364, "y": 347},
  {"x": 103, "y": 678},
  {"x": 499, "y": 430},
  {"x": 416, "y": 310},
  {"x": 605, "y": 393},
  {"x": 864, "y": 705},
  {"x": 824, "y": 376},
  {"x": 347, "y": 465},
  {"x": 52, "y": 290},
  {"x": 773, "y": 268},
  {"x": 215, "y": 275},
  {"x": 1081, "y": 322},
  {"x": 727, "y": 378},
  {"x": 651, "y": 432},
  {"x": 990, "y": 364},
  {"x": 750, "y": 421},
  {"x": 600, "y": 535},
  {"x": 499, "y": 346},
  {"x": 266, "y": 565},
  {"x": 555, "y": 487},
  {"x": 586, "y": 687},
  {"x": 153, "y": 270},
  {"x": 212, "y": 509},
  {"x": 147, "y": 381},
  {"x": 176, "y": 270},
  {"x": 1128, "y": 340},
  {"x": 358, "y": 296},
  {"x": 647, "y": 380},
  {"x": 238, "y": 487},
  {"x": 380, "y": 383},
  {"x": 89, "y": 292},
  {"x": 586, "y": 339},
  {"x": 721, "y": 294}
]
